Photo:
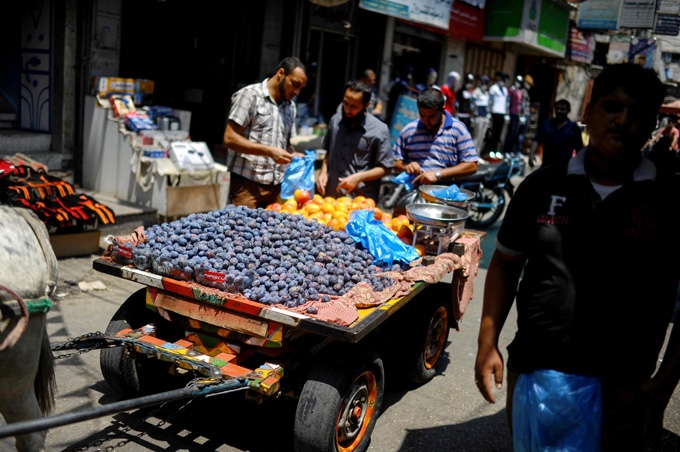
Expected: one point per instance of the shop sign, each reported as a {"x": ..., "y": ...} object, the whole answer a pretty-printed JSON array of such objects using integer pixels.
[
  {"x": 581, "y": 45},
  {"x": 667, "y": 25},
  {"x": 599, "y": 14},
  {"x": 637, "y": 14},
  {"x": 429, "y": 12},
  {"x": 466, "y": 23},
  {"x": 405, "y": 111},
  {"x": 619, "y": 48},
  {"x": 642, "y": 52},
  {"x": 668, "y": 7},
  {"x": 540, "y": 24}
]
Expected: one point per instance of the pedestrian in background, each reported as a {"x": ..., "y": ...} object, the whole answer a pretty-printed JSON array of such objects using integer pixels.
[
  {"x": 525, "y": 115},
  {"x": 480, "y": 96},
  {"x": 358, "y": 148},
  {"x": 375, "y": 106},
  {"x": 498, "y": 103},
  {"x": 449, "y": 90},
  {"x": 465, "y": 102},
  {"x": 567, "y": 238},
  {"x": 560, "y": 137},
  {"x": 515, "y": 109},
  {"x": 402, "y": 85},
  {"x": 671, "y": 132}
]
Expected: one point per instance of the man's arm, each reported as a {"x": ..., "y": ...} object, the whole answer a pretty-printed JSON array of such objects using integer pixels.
[
  {"x": 500, "y": 289},
  {"x": 351, "y": 182},
  {"x": 453, "y": 172},
  {"x": 660, "y": 388},
  {"x": 322, "y": 179},
  {"x": 236, "y": 142}
]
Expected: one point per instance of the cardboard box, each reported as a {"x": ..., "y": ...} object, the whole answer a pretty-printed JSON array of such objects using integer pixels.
[
  {"x": 103, "y": 86},
  {"x": 75, "y": 244}
]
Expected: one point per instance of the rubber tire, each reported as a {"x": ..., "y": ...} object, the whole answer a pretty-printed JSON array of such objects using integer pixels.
[
  {"x": 324, "y": 397},
  {"x": 423, "y": 355},
  {"x": 485, "y": 223},
  {"x": 127, "y": 375}
]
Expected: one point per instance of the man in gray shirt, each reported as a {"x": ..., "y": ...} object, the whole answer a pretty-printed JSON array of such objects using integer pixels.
[{"x": 358, "y": 151}]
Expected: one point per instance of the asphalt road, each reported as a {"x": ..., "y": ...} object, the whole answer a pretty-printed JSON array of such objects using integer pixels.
[{"x": 446, "y": 414}]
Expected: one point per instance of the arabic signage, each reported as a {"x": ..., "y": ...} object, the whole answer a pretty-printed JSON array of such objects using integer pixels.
[
  {"x": 466, "y": 23},
  {"x": 540, "y": 24},
  {"x": 430, "y": 12},
  {"x": 668, "y": 7},
  {"x": 581, "y": 45},
  {"x": 667, "y": 25},
  {"x": 599, "y": 14},
  {"x": 637, "y": 14}
]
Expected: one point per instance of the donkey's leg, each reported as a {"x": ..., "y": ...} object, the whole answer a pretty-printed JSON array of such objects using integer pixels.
[{"x": 18, "y": 368}]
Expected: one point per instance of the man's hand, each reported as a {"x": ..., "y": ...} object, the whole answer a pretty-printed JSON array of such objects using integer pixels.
[
  {"x": 426, "y": 178},
  {"x": 348, "y": 183},
  {"x": 321, "y": 182},
  {"x": 299, "y": 155},
  {"x": 413, "y": 168},
  {"x": 489, "y": 364},
  {"x": 280, "y": 156}
]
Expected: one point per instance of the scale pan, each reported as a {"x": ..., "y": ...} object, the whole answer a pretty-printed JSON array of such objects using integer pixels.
[{"x": 436, "y": 214}]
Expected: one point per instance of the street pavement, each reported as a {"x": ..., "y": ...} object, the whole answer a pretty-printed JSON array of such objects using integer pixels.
[{"x": 446, "y": 414}]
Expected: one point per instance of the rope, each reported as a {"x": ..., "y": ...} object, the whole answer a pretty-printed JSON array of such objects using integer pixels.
[{"x": 15, "y": 334}]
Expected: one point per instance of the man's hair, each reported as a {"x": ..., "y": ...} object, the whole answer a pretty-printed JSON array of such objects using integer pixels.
[
  {"x": 290, "y": 63},
  {"x": 359, "y": 87},
  {"x": 640, "y": 83},
  {"x": 564, "y": 102},
  {"x": 367, "y": 73},
  {"x": 431, "y": 98}
]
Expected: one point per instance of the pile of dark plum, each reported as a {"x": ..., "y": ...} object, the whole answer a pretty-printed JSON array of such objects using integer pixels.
[{"x": 264, "y": 255}]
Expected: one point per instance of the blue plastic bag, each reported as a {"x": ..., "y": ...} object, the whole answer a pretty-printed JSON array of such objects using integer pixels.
[
  {"x": 405, "y": 179},
  {"x": 556, "y": 412},
  {"x": 383, "y": 244},
  {"x": 299, "y": 175},
  {"x": 450, "y": 193}
]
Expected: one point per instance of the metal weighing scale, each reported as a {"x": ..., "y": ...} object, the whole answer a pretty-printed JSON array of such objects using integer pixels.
[
  {"x": 436, "y": 226},
  {"x": 427, "y": 192}
]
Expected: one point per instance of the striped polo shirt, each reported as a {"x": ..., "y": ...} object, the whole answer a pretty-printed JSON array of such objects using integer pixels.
[
  {"x": 450, "y": 146},
  {"x": 266, "y": 123}
]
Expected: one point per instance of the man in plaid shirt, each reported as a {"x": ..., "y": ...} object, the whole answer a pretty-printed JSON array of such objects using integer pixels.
[{"x": 261, "y": 124}]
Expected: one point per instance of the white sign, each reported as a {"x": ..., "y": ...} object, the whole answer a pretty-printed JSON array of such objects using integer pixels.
[
  {"x": 430, "y": 12},
  {"x": 637, "y": 14}
]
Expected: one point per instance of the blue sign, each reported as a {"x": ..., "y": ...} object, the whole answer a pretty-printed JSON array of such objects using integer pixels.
[
  {"x": 405, "y": 112},
  {"x": 667, "y": 25}
]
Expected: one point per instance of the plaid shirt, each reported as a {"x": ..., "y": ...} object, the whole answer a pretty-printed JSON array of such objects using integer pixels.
[{"x": 265, "y": 123}]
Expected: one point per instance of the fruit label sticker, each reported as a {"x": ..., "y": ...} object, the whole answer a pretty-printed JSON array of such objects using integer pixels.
[
  {"x": 214, "y": 276},
  {"x": 125, "y": 252}
]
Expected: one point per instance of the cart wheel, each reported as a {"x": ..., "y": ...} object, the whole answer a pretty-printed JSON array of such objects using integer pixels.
[
  {"x": 128, "y": 374},
  {"x": 339, "y": 406},
  {"x": 424, "y": 354}
]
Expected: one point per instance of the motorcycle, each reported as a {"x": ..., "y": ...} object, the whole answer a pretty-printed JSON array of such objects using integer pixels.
[{"x": 490, "y": 184}]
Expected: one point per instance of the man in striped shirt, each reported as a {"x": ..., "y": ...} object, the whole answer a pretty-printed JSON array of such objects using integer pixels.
[
  {"x": 436, "y": 146},
  {"x": 261, "y": 124}
]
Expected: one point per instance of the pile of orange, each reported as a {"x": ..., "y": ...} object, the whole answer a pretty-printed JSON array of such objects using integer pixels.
[{"x": 335, "y": 212}]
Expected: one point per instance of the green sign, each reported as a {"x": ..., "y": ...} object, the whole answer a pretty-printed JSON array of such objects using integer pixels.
[{"x": 540, "y": 24}]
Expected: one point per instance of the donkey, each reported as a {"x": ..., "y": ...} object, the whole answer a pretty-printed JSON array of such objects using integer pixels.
[{"x": 28, "y": 276}]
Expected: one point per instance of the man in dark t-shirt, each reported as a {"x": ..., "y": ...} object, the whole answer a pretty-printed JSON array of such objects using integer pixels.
[{"x": 560, "y": 137}]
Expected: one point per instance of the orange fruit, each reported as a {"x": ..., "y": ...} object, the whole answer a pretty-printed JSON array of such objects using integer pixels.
[
  {"x": 370, "y": 202},
  {"x": 377, "y": 213},
  {"x": 301, "y": 196},
  {"x": 312, "y": 208},
  {"x": 420, "y": 248},
  {"x": 317, "y": 199},
  {"x": 329, "y": 199},
  {"x": 359, "y": 199},
  {"x": 335, "y": 224},
  {"x": 327, "y": 207}
]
